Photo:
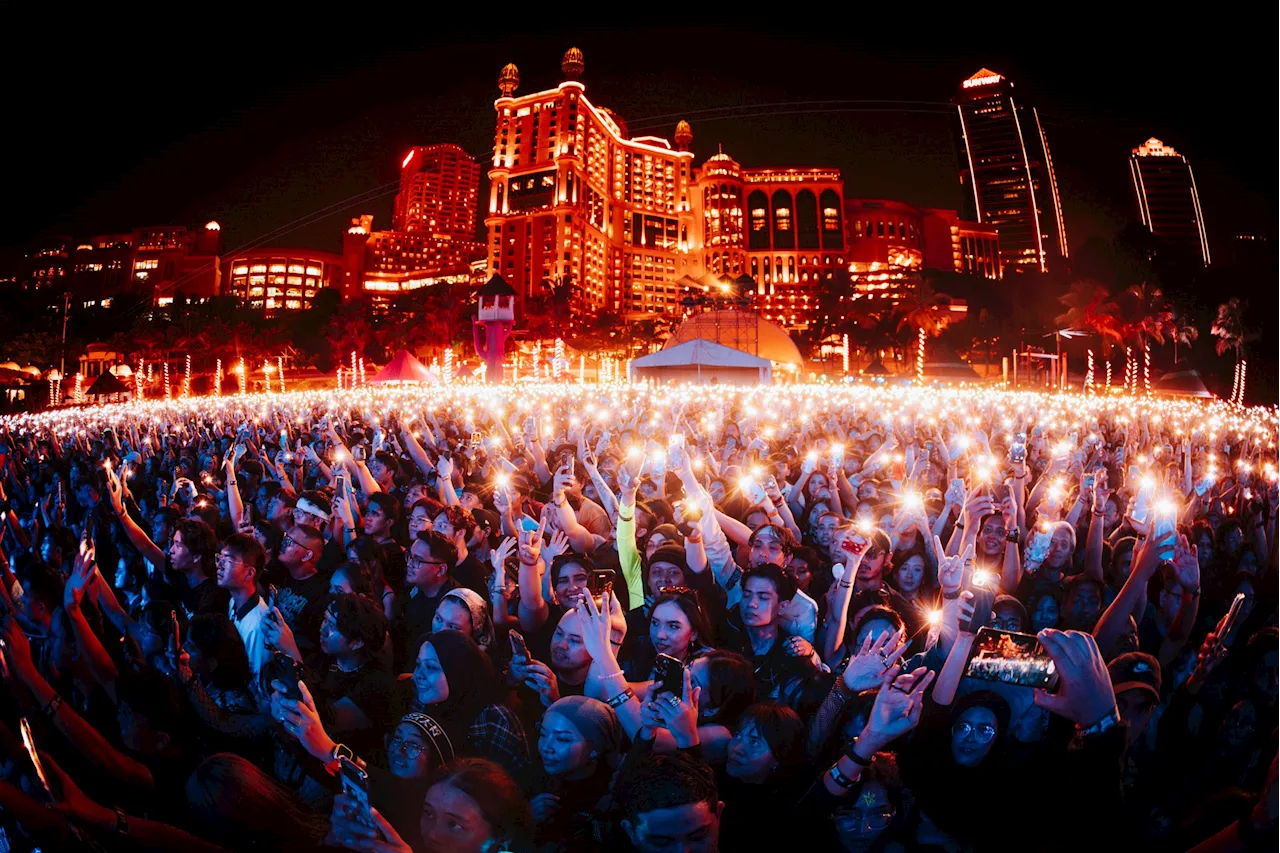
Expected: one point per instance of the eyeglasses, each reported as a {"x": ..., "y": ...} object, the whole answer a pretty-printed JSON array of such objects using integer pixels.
[
  {"x": 982, "y": 734},
  {"x": 414, "y": 561},
  {"x": 410, "y": 749},
  {"x": 225, "y": 560},
  {"x": 865, "y": 820}
]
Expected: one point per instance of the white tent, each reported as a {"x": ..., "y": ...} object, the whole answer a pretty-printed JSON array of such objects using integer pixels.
[{"x": 700, "y": 360}]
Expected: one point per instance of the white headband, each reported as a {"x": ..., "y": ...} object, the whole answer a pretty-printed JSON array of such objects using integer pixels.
[{"x": 307, "y": 506}]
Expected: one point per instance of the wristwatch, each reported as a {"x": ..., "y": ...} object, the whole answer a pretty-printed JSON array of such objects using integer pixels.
[{"x": 1014, "y": 536}]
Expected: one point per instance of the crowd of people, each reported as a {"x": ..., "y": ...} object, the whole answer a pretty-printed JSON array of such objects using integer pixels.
[{"x": 571, "y": 618}]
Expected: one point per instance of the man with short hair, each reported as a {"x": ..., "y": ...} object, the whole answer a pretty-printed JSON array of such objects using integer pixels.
[
  {"x": 240, "y": 562},
  {"x": 189, "y": 564},
  {"x": 754, "y": 630},
  {"x": 457, "y": 524},
  {"x": 669, "y": 802},
  {"x": 357, "y": 692},
  {"x": 427, "y": 575},
  {"x": 302, "y": 599}
]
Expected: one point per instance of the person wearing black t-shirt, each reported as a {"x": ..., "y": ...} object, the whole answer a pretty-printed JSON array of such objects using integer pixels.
[
  {"x": 427, "y": 568},
  {"x": 457, "y": 524},
  {"x": 302, "y": 599},
  {"x": 353, "y": 693},
  {"x": 189, "y": 564}
]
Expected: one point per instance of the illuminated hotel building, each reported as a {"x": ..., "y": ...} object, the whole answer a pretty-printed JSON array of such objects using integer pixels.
[
  {"x": 1008, "y": 174},
  {"x": 571, "y": 197},
  {"x": 100, "y": 268},
  {"x": 574, "y": 196},
  {"x": 175, "y": 260},
  {"x": 433, "y": 229},
  {"x": 274, "y": 280},
  {"x": 1167, "y": 199},
  {"x": 438, "y": 186},
  {"x": 890, "y": 243}
]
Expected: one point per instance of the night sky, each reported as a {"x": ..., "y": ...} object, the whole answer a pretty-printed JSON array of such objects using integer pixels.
[{"x": 261, "y": 125}]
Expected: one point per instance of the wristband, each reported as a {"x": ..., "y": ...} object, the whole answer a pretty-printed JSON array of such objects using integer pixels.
[
  {"x": 841, "y": 780},
  {"x": 853, "y": 756},
  {"x": 951, "y": 596},
  {"x": 621, "y": 698},
  {"x": 622, "y": 517},
  {"x": 1014, "y": 536},
  {"x": 1110, "y": 721},
  {"x": 122, "y": 823}
]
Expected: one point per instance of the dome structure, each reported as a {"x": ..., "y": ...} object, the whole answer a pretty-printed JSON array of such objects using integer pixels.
[
  {"x": 571, "y": 64},
  {"x": 509, "y": 79},
  {"x": 741, "y": 330},
  {"x": 683, "y": 136}
]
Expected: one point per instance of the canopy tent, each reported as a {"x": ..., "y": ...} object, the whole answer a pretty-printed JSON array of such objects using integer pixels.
[
  {"x": 106, "y": 385},
  {"x": 403, "y": 367},
  {"x": 744, "y": 331},
  {"x": 875, "y": 368},
  {"x": 947, "y": 366},
  {"x": 1185, "y": 382},
  {"x": 700, "y": 360}
]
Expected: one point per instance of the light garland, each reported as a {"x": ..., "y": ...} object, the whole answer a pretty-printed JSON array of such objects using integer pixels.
[
  {"x": 448, "y": 365},
  {"x": 186, "y": 378},
  {"x": 243, "y": 375},
  {"x": 77, "y": 396},
  {"x": 166, "y": 379},
  {"x": 217, "y": 379},
  {"x": 1146, "y": 367},
  {"x": 280, "y": 371},
  {"x": 844, "y": 352},
  {"x": 1088, "y": 374},
  {"x": 559, "y": 359},
  {"x": 920, "y": 359}
]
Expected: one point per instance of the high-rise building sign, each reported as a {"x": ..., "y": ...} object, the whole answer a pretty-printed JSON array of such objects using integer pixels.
[
  {"x": 1007, "y": 173},
  {"x": 1167, "y": 199}
]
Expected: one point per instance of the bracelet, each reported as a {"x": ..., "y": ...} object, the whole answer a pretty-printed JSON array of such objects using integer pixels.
[
  {"x": 951, "y": 596},
  {"x": 122, "y": 823},
  {"x": 841, "y": 780},
  {"x": 621, "y": 698},
  {"x": 51, "y": 710},
  {"x": 853, "y": 756},
  {"x": 618, "y": 674},
  {"x": 1111, "y": 720},
  {"x": 622, "y": 517}
]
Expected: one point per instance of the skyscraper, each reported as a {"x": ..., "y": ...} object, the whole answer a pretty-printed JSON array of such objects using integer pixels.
[
  {"x": 437, "y": 192},
  {"x": 1167, "y": 199},
  {"x": 1008, "y": 175}
]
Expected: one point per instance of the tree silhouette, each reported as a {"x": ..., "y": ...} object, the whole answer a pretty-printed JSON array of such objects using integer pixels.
[{"x": 1090, "y": 309}]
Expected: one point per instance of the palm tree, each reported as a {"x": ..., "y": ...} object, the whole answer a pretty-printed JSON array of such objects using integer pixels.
[
  {"x": 1183, "y": 332},
  {"x": 926, "y": 311},
  {"x": 1090, "y": 308},
  {"x": 1232, "y": 336},
  {"x": 1149, "y": 317}
]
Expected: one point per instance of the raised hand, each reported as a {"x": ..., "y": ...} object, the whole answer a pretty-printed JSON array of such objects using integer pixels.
[
  {"x": 498, "y": 559},
  {"x": 558, "y": 545},
  {"x": 539, "y": 678},
  {"x": 897, "y": 708},
  {"x": 679, "y": 714},
  {"x": 1186, "y": 564},
  {"x": 597, "y": 630},
  {"x": 875, "y": 661},
  {"x": 951, "y": 568},
  {"x": 1084, "y": 693},
  {"x": 531, "y": 543}
]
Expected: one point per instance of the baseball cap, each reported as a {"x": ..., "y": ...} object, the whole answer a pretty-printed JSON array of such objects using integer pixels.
[{"x": 1135, "y": 671}]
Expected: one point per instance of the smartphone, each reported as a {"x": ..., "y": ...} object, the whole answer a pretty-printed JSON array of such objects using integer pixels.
[
  {"x": 1090, "y": 480},
  {"x": 1233, "y": 613},
  {"x": 528, "y": 524},
  {"x": 271, "y": 596},
  {"x": 287, "y": 671},
  {"x": 355, "y": 784},
  {"x": 983, "y": 586},
  {"x": 475, "y": 441},
  {"x": 1166, "y": 522},
  {"x": 1038, "y": 548},
  {"x": 340, "y": 483},
  {"x": 1008, "y": 658},
  {"x": 999, "y": 493},
  {"x": 29, "y": 743},
  {"x": 855, "y": 544},
  {"x": 600, "y": 580},
  {"x": 519, "y": 648},
  {"x": 690, "y": 512},
  {"x": 669, "y": 672}
]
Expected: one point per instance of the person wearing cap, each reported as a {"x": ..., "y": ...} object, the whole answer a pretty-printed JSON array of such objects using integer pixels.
[
  {"x": 578, "y": 744},
  {"x": 1009, "y": 614},
  {"x": 416, "y": 749},
  {"x": 1136, "y": 681},
  {"x": 871, "y": 586}
]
